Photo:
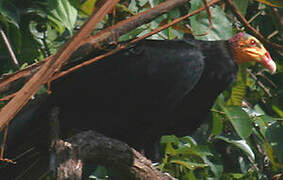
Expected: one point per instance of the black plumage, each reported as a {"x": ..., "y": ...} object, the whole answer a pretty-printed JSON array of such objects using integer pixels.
[{"x": 150, "y": 89}]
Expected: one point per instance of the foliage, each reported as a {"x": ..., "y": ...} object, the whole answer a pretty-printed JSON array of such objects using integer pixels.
[{"x": 244, "y": 142}]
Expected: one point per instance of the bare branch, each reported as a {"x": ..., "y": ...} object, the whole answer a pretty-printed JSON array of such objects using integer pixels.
[
  {"x": 100, "y": 39},
  {"x": 94, "y": 147},
  {"x": 10, "y": 49},
  {"x": 246, "y": 23},
  {"x": 266, "y": 90},
  {"x": 50, "y": 67}
]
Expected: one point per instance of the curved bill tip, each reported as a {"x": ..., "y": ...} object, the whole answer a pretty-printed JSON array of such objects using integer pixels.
[{"x": 268, "y": 63}]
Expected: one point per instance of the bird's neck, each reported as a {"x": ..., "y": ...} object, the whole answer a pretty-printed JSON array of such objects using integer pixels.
[{"x": 220, "y": 65}]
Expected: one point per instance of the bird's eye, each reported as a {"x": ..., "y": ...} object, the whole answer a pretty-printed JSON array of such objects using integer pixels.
[{"x": 252, "y": 42}]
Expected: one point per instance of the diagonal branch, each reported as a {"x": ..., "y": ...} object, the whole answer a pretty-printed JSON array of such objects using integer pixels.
[
  {"x": 93, "y": 41},
  {"x": 246, "y": 23},
  {"x": 94, "y": 147},
  {"x": 50, "y": 67},
  {"x": 88, "y": 45},
  {"x": 10, "y": 49}
]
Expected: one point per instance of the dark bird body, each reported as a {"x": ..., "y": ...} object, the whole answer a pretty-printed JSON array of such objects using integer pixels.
[{"x": 151, "y": 89}]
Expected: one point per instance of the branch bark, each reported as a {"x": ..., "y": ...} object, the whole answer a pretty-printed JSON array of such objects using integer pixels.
[
  {"x": 246, "y": 23},
  {"x": 90, "y": 146},
  {"x": 88, "y": 45},
  {"x": 50, "y": 67}
]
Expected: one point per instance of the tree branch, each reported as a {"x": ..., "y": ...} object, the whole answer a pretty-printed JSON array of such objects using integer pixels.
[
  {"x": 90, "y": 146},
  {"x": 246, "y": 23},
  {"x": 88, "y": 45},
  {"x": 10, "y": 49}
]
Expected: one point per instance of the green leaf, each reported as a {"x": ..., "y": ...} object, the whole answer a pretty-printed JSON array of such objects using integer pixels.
[
  {"x": 242, "y": 6},
  {"x": 188, "y": 140},
  {"x": 222, "y": 27},
  {"x": 189, "y": 176},
  {"x": 239, "y": 87},
  {"x": 237, "y": 175},
  {"x": 278, "y": 110},
  {"x": 242, "y": 144},
  {"x": 189, "y": 165},
  {"x": 274, "y": 135},
  {"x": 274, "y": 3},
  {"x": 62, "y": 12},
  {"x": 217, "y": 123},
  {"x": 239, "y": 119},
  {"x": 88, "y": 6},
  {"x": 9, "y": 12},
  {"x": 168, "y": 142}
]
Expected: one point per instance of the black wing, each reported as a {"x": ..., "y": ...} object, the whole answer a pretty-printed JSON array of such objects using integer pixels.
[{"x": 131, "y": 90}]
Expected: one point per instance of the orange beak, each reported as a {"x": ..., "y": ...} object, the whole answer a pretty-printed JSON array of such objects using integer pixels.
[{"x": 268, "y": 63}]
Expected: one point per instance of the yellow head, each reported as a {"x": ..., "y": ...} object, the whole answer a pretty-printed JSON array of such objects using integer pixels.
[{"x": 247, "y": 48}]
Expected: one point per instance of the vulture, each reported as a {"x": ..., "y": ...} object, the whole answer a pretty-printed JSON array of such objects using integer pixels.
[{"x": 152, "y": 88}]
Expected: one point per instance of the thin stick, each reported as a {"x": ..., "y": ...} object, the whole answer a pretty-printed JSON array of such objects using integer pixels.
[
  {"x": 50, "y": 67},
  {"x": 209, "y": 19},
  {"x": 3, "y": 147},
  {"x": 246, "y": 23},
  {"x": 4, "y": 142},
  {"x": 265, "y": 89},
  {"x": 120, "y": 47},
  {"x": 9, "y": 47}
]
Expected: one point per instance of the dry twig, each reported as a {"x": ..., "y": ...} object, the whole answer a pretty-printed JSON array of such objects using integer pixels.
[
  {"x": 246, "y": 23},
  {"x": 266, "y": 90},
  {"x": 93, "y": 41},
  {"x": 50, "y": 67},
  {"x": 10, "y": 49}
]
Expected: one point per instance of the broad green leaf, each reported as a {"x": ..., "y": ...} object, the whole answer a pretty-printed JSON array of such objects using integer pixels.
[
  {"x": 274, "y": 135},
  {"x": 242, "y": 144},
  {"x": 242, "y": 6},
  {"x": 261, "y": 124},
  {"x": 167, "y": 141},
  {"x": 143, "y": 2},
  {"x": 62, "y": 13},
  {"x": 132, "y": 34},
  {"x": 215, "y": 167},
  {"x": 239, "y": 87},
  {"x": 260, "y": 118},
  {"x": 217, "y": 123},
  {"x": 222, "y": 27},
  {"x": 274, "y": 3},
  {"x": 189, "y": 175},
  {"x": 278, "y": 111},
  {"x": 198, "y": 151},
  {"x": 189, "y": 165},
  {"x": 88, "y": 6},
  {"x": 133, "y": 6},
  {"x": 269, "y": 152},
  {"x": 15, "y": 37},
  {"x": 258, "y": 109},
  {"x": 237, "y": 175},
  {"x": 188, "y": 140},
  {"x": 239, "y": 119},
  {"x": 100, "y": 173},
  {"x": 9, "y": 12}
]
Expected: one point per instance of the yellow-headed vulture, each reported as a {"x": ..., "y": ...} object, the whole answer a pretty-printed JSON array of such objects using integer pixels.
[
  {"x": 154, "y": 87},
  {"x": 150, "y": 89}
]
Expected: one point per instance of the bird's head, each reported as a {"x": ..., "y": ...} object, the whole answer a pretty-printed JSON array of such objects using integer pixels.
[{"x": 247, "y": 48}]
